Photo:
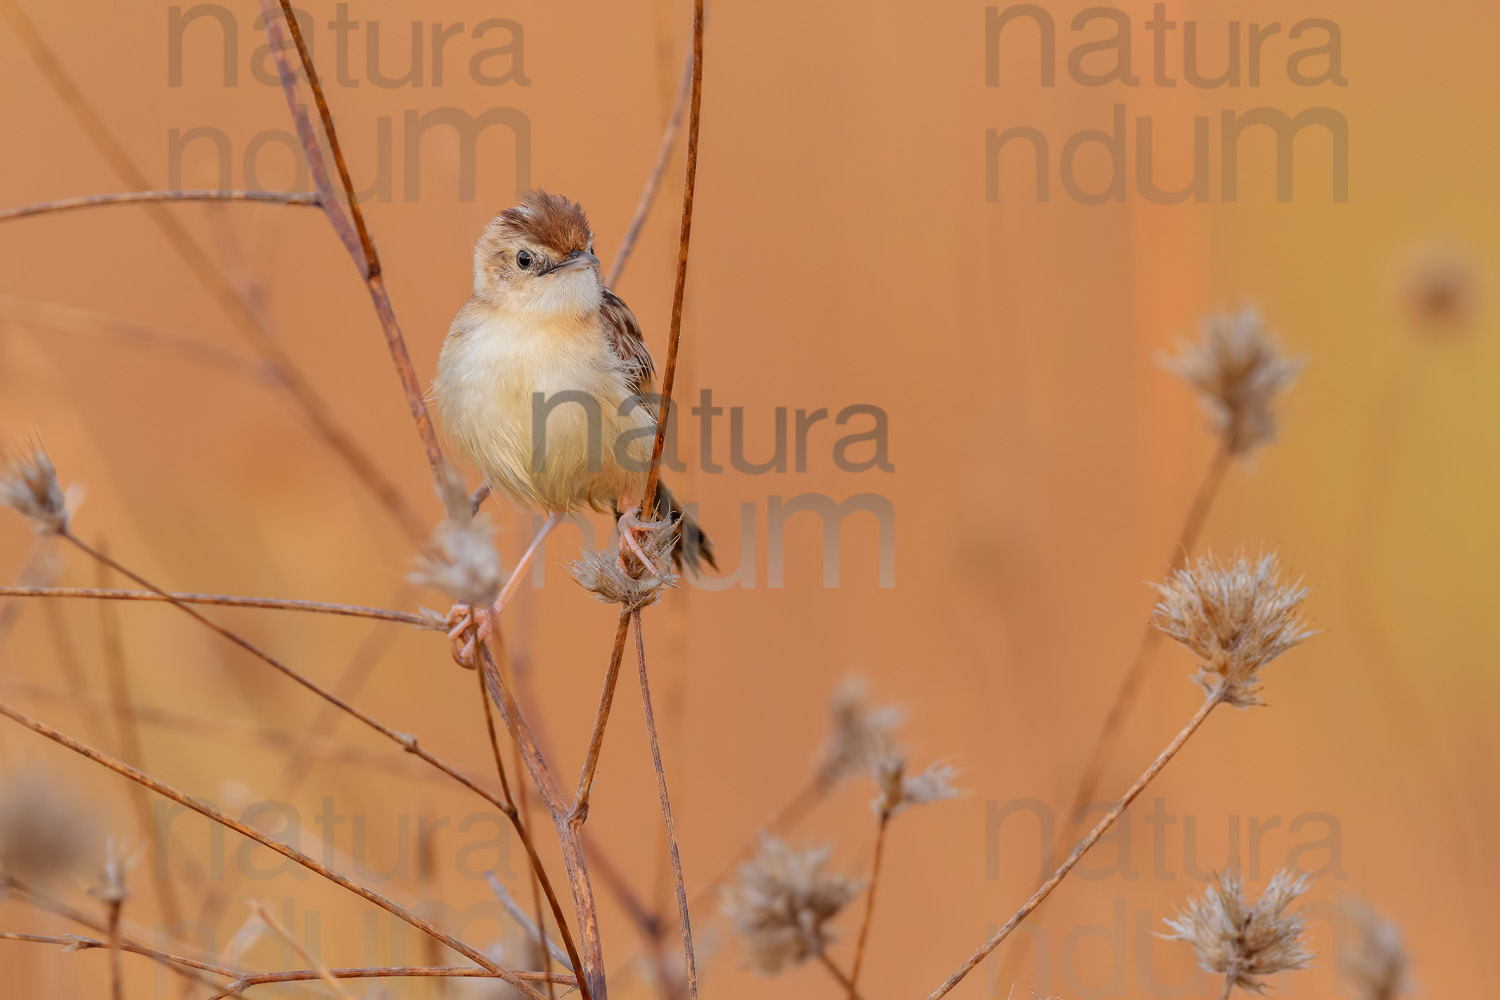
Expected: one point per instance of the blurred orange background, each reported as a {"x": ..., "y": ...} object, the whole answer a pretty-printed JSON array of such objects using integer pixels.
[{"x": 844, "y": 252}]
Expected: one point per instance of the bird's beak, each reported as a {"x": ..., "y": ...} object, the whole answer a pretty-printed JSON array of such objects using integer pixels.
[{"x": 577, "y": 260}]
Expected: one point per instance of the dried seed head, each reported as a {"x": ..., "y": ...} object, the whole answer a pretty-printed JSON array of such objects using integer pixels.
[
  {"x": 461, "y": 561},
  {"x": 1377, "y": 962},
  {"x": 898, "y": 790},
  {"x": 783, "y": 903},
  {"x": 1441, "y": 291},
  {"x": 861, "y": 735},
  {"x": 1242, "y": 942},
  {"x": 1238, "y": 372},
  {"x": 598, "y": 571},
  {"x": 44, "y": 833},
  {"x": 1236, "y": 617},
  {"x": 30, "y": 487}
]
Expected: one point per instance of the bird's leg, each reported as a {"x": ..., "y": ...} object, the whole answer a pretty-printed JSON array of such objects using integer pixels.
[
  {"x": 631, "y": 528},
  {"x": 474, "y": 625}
]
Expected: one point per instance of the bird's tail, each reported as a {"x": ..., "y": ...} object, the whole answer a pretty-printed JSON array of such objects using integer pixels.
[{"x": 693, "y": 547}]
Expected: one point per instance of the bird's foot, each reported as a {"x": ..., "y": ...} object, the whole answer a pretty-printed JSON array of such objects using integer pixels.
[
  {"x": 469, "y": 626},
  {"x": 633, "y": 533}
]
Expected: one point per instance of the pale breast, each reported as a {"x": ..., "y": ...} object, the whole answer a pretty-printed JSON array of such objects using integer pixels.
[{"x": 538, "y": 411}]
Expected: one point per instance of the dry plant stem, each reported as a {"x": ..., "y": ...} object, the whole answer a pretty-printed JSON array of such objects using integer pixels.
[
  {"x": 668, "y": 824},
  {"x": 223, "y": 600},
  {"x": 204, "y": 809},
  {"x": 136, "y": 197},
  {"x": 1209, "y": 704},
  {"x": 360, "y": 246},
  {"x": 1229, "y": 979},
  {"x": 864, "y": 925},
  {"x": 523, "y": 920},
  {"x": 537, "y": 868},
  {"x": 386, "y": 972},
  {"x": 264, "y": 916},
  {"x": 655, "y": 177},
  {"x": 568, "y": 834},
  {"x": 674, "y": 335},
  {"x": 312, "y": 405},
  {"x": 1114, "y": 722},
  {"x": 580, "y": 811},
  {"x": 74, "y": 942},
  {"x": 191, "y": 970},
  {"x": 838, "y": 975},
  {"x": 404, "y": 740},
  {"x": 116, "y": 963},
  {"x": 128, "y": 739}
]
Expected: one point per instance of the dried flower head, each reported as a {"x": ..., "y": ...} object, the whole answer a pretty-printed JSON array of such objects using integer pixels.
[
  {"x": 898, "y": 790},
  {"x": 1236, "y": 617},
  {"x": 598, "y": 571},
  {"x": 1377, "y": 962},
  {"x": 30, "y": 487},
  {"x": 861, "y": 735},
  {"x": 44, "y": 833},
  {"x": 1238, "y": 372},
  {"x": 461, "y": 561},
  {"x": 783, "y": 903},
  {"x": 1441, "y": 290},
  {"x": 1242, "y": 942}
]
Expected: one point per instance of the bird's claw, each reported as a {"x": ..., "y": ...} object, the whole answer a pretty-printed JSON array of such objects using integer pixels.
[
  {"x": 470, "y": 626},
  {"x": 632, "y": 529}
]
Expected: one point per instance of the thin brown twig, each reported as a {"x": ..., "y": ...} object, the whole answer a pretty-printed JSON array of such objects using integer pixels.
[
  {"x": 685, "y": 921},
  {"x": 1161, "y": 761},
  {"x": 136, "y": 197},
  {"x": 654, "y": 178},
  {"x": 226, "y": 600},
  {"x": 312, "y": 405},
  {"x": 837, "y": 974},
  {"x": 360, "y": 247},
  {"x": 864, "y": 925},
  {"x": 258, "y": 909},
  {"x": 128, "y": 740},
  {"x": 311, "y": 864},
  {"x": 389, "y": 972},
  {"x": 580, "y": 810},
  {"x": 406, "y": 741},
  {"x": 679, "y": 290},
  {"x": 534, "y": 860},
  {"x": 575, "y": 860},
  {"x": 75, "y": 942},
  {"x": 528, "y": 926}
]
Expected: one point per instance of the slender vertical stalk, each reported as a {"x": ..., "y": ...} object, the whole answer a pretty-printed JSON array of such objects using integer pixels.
[
  {"x": 969, "y": 964},
  {"x": 864, "y": 926},
  {"x": 666, "y": 814},
  {"x": 580, "y": 810}
]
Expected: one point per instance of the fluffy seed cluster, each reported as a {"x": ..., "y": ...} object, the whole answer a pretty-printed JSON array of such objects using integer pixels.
[
  {"x": 1236, "y": 617},
  {"x": 1241, "y": 942},
  {"x": 861, "y": 735},
  {"x": 461, "y": 561},
  {"x": 44, "y": 835},
  {"x": 30, "y": 487},
  {"x": 899, "y": 790},
  {"x": 1377, "y": 962},
  {"x": 783, "y": 903},
  {"x": 1237, "y": 371},
  {"x": 598, "y": 571}
]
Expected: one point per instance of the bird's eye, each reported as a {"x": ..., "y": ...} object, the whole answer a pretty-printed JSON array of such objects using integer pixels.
[{"x": 524, "y": 258}]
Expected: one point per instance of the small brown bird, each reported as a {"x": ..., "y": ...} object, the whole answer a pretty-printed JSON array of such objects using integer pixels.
[{"x": 545, "y": 384}]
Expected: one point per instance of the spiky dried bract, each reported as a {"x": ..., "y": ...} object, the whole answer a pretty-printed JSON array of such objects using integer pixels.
[
  {"x": 1236, "y": 616},
  {"x": 783, "y": 903},
  {"x": 899, "y": 790},
  {"x": 598, "y": 571},
  {"x": 861, "y": 735},
  {"x": 1243, "y": 942},
  {"x": 1238, "y": 371},
  {"x": 30, "y": 487},
  {"x": 461, "y": 561},
  {"x": 44, "y": 834},
  {"x": 1377, "y": 962}
]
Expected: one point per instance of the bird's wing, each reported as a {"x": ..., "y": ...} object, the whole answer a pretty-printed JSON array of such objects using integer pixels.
[{"x": 624, "y": 334}]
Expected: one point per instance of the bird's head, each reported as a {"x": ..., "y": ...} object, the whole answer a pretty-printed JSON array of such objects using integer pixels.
[{"x": 539, "y": 257}]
